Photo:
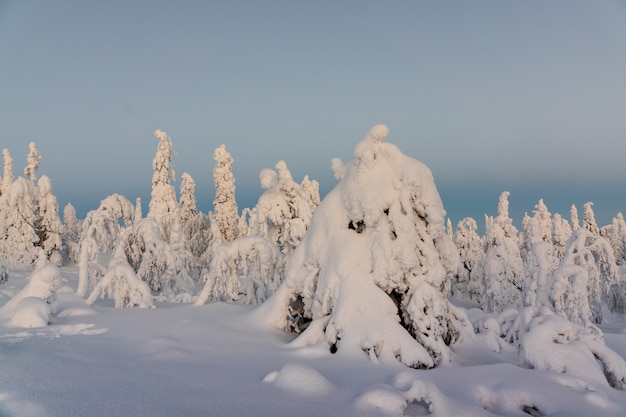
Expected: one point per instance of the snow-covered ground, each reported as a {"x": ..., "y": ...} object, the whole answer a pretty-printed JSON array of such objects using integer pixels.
[{"x": 219, "y": 360}]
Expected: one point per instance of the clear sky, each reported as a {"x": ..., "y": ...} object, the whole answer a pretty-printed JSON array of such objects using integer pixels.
[{"x": 528, "y": 97}]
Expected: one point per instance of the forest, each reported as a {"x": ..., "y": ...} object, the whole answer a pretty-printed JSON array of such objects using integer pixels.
[{"x": 374, "y": 267}]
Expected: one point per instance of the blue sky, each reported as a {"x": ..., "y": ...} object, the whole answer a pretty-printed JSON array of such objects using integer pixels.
[{"x": 528, "y": 97}]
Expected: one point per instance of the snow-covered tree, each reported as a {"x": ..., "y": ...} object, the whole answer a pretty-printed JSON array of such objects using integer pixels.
[
  {"x": 573, "y": 212},
  {"x": 50, "y": 227},
  {"x": 138, "y": 211},
  {"x": 101, "y": 229},
  {"x": 7, "y": 177},
  {"x": 159, "y": 267},
  {"x": 225, "y": 210},
  {"x": 284, "y": 210},
  {"x": 539, "y": 259},
  {"x": 468, "y": 282},
  {"x": 589, "y": 219},
  {"x": 122, "y": 284},
  {"x": 163, "y": 205},
  {"x": 247, "y": 270},
  {"x": 187, "y": 206},
  {"x": 586, "y": 280},
  {"x": 615, "y": 233},
  {"x": 503, "y": 270},
  {"x": 19, "y": 224},
  {"x": 371, "y": 272},
  {"x": 72, "y": 230},
  {"x": 561, "y": 232},
  {"x": 194, "y": 228},
  {"x": 33, "y": 160}
]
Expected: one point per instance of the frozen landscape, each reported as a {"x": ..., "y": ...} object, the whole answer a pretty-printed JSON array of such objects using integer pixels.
[{"x": 367, "y": 302}]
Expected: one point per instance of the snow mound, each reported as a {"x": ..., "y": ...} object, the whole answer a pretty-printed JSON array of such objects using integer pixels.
[
  {"x": 31, "y": 312},
  {"x": 300, "y": 379},
  {"x": 11, "y": 406},
  {"x": 34, "y": 305}
]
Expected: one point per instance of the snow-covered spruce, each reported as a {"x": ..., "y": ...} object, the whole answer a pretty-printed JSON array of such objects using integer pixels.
[{"x": 370, "y": 273}]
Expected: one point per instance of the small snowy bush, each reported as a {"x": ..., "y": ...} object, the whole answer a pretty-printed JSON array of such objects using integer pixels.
[
  {"x": 122, "y": 284},
  {"x": 248, "y": 270}
]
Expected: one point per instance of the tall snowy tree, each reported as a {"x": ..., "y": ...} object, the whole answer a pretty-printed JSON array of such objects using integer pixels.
[
  {"x": 33, "y": 160},
  {"x": 225, "y": 210},
  {"x": 163, "y": 203},
  {"x": 370, "y": 273},
  {"x": 468, "y": 282},
  {"x": 504, "y": 270}
]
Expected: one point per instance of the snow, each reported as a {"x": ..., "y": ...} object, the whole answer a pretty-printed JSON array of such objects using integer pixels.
[
  {"x": 387, "y": 322},
  {"x": 219, "y": 359}
]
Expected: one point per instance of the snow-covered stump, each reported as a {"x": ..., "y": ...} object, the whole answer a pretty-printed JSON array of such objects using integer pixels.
[{"x": 370, "y": 273}]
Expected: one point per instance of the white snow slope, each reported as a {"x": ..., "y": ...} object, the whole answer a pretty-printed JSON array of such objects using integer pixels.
[{"x": 216, "y": 360}]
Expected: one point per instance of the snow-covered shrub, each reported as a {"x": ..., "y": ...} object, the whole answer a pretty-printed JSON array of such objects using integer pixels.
[
  {"x": 248, "y": 270},
  {"x": 370, "y": 273},
  {"x": 586, "y": 279},
  {"x": 503, "y": 269},
  {"x": 468, "y": 282},
  {"x": 284, "y": 210},
  {"x": 36, "y": 303},
  {"x": 122, "y": 284},
  {"x": 553, "y": 343}
]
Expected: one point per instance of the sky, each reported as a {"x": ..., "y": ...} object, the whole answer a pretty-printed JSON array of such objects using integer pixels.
[{"x": 526, "y": 97}]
